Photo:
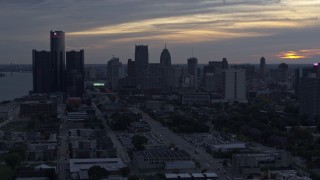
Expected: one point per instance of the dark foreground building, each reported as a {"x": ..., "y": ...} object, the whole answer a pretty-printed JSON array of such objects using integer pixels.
[
  {"x": 42, "y": 72},
  {"x": 75, "y": 73}
]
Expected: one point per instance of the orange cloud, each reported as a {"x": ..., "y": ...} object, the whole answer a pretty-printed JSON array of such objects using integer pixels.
[{"x": 300, "y": 54}]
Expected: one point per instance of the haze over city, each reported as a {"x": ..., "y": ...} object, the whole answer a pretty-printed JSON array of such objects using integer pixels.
[{"x": 240, "y": 30}]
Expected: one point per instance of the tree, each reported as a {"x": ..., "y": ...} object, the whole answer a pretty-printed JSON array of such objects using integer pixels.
[
  {"x": 139, "y": 141},
  {"x": 161, "y": 176},
  {"x": 21, "y": 150},
  {"x": 13, "y": 160},
  {"x": 225, "y": 163},
  {"x": 125, "y": 171},
  {"x": 204, "y": 170},
  {"x": 133, "y": 177},
  {"x": 97, "y": 173}
]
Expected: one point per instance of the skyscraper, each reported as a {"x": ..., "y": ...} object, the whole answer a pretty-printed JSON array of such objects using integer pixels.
[
  {"x": 42, "y": 72},
  {"x": 309, "y": 96},
  {"x": 167, "y": 72},
  {"x": 193, "y": 70},
  {"x": 225, "y": 64},
  {"x": 262, "y": 67},
  {"x": 75, "y": 73},
  {"x": 142, "y": 60},
  {"x": 131, "y": 68},
  {"x": 57, "y": 47},
  {"x": 234, "y": 84},
  {"x": 114, "y": 72},
  {"x": 165, "y": 58}
]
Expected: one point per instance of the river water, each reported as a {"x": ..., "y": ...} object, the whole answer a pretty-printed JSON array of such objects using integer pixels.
[{"x": 17, "y": 85}]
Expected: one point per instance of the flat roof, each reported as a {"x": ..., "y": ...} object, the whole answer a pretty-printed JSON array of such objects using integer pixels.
[
  {"x": 184, "y": 175},
  {"x": 168, "y": 176},
  {"x": 197, "y": 175},
  {"x": 210, "y": 175},
  {"x": 162, "y": 153},
  {"x": 77, "y": 165}
]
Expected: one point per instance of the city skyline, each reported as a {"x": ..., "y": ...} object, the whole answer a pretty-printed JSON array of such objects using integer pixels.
[{"x": 243, "y": 32}]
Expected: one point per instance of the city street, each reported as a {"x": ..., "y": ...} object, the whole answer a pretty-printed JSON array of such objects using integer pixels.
[
  {"x": 121, "y": 152},
  {"x": 206, "y": 160},
  {"x": 63, "y": 153}
]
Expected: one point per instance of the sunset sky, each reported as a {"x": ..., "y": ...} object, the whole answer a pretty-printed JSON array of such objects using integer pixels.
[{"x": 240, "y": 30}]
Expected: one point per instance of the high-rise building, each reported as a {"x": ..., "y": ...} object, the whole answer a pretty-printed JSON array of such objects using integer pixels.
[
  {"x": 209, "y": 83},
  {"x": 155, "y": 81},
  {"x": 225, "y": 64},
  {"x": 193, "y": 70},
  {"x": 214, "y": 69},
  {"x": 75, "y": 73},
  {"x": 42, "y": 72},
  {"x": 165, "y": 58},
  {"x": 262, "y": 67},
  {"x": 299, "y": 73},
  {"x": 131, "y": 68},
  {"x": 57, "y": 47},
  {"x": 308, "y": 91},
  {"x": 167, "y": 71},
  {"x": 142, "y": 60},
  {"x": 279, "y": 74},
  {"x": 114, "y": 73},
  {"x": 309, "y": 96},
  {"x": 90, "y": 73},
  {"x": 234, "y": 84}
]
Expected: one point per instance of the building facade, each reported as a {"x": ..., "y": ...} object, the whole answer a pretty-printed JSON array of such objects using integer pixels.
[
  {"x": 141, "y": 62},
  {"x": 114, "y": 73},
  {"x": 57, "y": 47},
  {"x": 234, "y": 84},
  {"x": 75, "y": 73},
  {"x": 42, "y": 72},
  {"x": 193, "y": 70}
]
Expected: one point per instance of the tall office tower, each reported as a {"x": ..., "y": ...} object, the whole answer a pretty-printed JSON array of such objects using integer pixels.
[
  {"x": 165, "y": 58},
  {"x": 209, "y": 82},
  {"x": 114, "y": 73},
  {"x": 225, "y": 64},
  {"x": 42, "y": 71},
  {"x": 57, "y": 46},
  {"x": 193, "y": 71},
  {"x": 215, "y": 68},
  {"x": 309, "y": 96},
  {"x": 234, "y": 84},
  {"x": 90, "y": 73},
  {"x": 131, "y": 68},
  {"x": 279, "y": 74},
  {"x": 299, "y": 73},
  {"x": 262, "y": 67},
  {"x": 75, "y": 73},
  {"x": 167, "y": 72},
  {"x": 155, "y": 81},
  {"x": 142, "y": 60}
]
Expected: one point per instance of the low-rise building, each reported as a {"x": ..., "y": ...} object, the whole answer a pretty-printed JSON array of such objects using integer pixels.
[
  {"x": 227, "y": 147},
  {"x": 30, "y": 108},
  {"x": 79, "y": 167},
  {"x": 191, "y": 176},
  {"x": 286, "y": 175},
  {"x": 180, "y": 165},
  {"x": 157, "y": 158},
  {"x": 42, "y": 151},
  {"x": 247, "y": 164}
]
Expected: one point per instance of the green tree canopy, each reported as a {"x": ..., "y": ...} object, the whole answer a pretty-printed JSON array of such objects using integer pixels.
[
  {"x": 139, "y": 141},
  {"x": 13, "y": 160},
  {"x": 97, "y": 173}
]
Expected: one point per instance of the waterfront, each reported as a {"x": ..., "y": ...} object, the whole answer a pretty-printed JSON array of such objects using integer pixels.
[{"x": 17, "y": 85}]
